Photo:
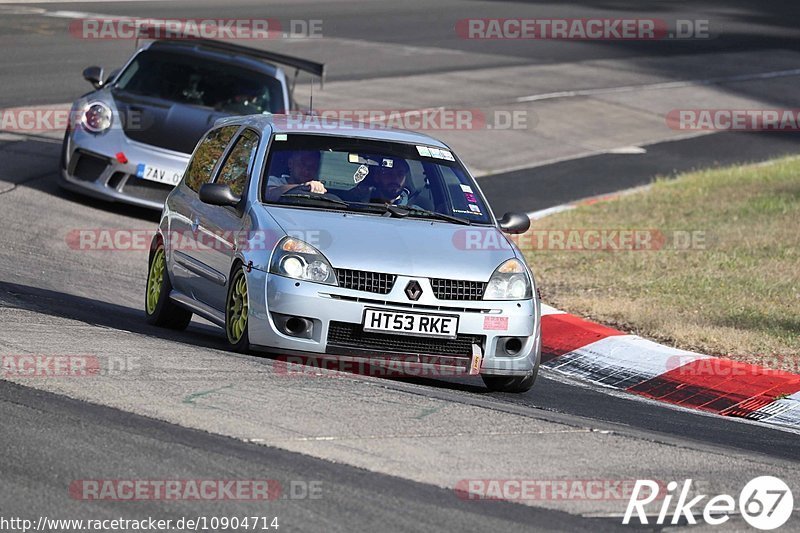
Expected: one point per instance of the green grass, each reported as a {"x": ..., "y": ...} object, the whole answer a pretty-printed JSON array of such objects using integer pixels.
[{"x": 737, "y": 294}]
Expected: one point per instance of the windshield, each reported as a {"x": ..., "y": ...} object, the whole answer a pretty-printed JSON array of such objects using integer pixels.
[
  {"x": 191, "y": 80},
  {"x": 343, "y": 173}
]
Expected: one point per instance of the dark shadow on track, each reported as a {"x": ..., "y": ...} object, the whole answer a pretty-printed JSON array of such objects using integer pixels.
[
  {"x": 541, "y": 187},
  {"x": 102, "y": 314},
  {"x": 109, "y": 315},
  {"x": 547, "y": 395}
]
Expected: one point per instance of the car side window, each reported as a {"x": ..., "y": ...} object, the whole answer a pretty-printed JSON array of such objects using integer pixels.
[
  {"x": 237, "y": 165},
  {"x": 205, "y": 157}
]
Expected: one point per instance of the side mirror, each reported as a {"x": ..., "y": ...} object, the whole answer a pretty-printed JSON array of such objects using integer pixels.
[
  {"x": 515, "y": 223},
  {"x": 94, "y": 75},
  {"x": 218, "y": 194}
]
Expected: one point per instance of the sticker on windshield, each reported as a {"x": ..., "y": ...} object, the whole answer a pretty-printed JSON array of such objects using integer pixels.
[
  {"x": 361, "y": 173},
  {"x": 469, "y": 197},
  {"x": 474, "y": 208},
  {"x": 353, "y": 158},
  {"x": 438, "y": 153},
  {"x": 281, "y": 137},
  {"x": 466, "y": 188}
]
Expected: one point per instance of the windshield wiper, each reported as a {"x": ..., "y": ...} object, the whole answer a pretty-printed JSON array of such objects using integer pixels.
[
  {"x": 316, "y": 198},
  {"x": 429, "y": 214}
]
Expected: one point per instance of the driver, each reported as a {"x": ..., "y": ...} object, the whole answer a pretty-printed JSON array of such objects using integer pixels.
[{"x": 303, "y": 170}]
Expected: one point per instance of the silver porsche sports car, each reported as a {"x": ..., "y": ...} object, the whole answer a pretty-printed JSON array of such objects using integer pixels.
[
  {"x": 130, "y": 139},
  {"x": 345, "y": 241}
]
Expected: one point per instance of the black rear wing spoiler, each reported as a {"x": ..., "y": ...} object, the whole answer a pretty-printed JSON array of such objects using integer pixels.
[{"x": 299, "y": 64}]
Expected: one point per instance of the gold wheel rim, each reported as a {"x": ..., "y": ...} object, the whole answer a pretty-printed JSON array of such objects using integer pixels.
[
  {"x": 237, "y": 308},
  {"x": 155, "y": 279}
]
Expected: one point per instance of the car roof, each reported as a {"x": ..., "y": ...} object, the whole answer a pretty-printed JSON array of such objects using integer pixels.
[
  {"x": 314, "y": 125},
  {"x": 198, "y": 49}
]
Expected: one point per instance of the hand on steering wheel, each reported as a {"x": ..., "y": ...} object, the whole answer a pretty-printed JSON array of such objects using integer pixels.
[
  {"x": 313, "y": 186},
  {"x": 316, "y": 187}
]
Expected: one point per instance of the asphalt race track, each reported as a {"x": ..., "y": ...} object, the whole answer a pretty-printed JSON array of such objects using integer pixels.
[{"x": 386, "y": 452}]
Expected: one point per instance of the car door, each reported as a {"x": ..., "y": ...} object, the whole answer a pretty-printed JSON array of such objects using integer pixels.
[
  {"x": 222, "y": 228},
  {"x": 187, "y": 276}
]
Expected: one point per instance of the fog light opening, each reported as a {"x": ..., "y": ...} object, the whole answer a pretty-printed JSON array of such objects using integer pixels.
[
  {"x": 296, "y": 326},
  {"x": 513, "y": 346}
]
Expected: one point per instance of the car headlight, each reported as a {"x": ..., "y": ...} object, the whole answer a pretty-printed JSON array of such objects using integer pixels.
[
  {"x": 509, "y": 281},
  {"x": 97, "y": 117},
  {"x": 296, "y": 259}
]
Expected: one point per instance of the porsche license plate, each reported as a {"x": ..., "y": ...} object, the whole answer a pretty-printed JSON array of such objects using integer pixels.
[
  {"x": 418, "y": 324},
  {"x": 161, "y": 175}
]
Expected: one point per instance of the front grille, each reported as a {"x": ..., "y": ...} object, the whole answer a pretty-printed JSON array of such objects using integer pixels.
[
  {"x": 453, "y": 289},
  {"x": 147, "y": 190},
  {"x": 361, "y": 280},
  {"x": 88, "y": 167},
  {"x": 410, "y": 305},
  {"x": 348, "y": 335}
]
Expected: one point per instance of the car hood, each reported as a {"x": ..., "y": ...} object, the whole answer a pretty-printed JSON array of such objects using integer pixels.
[
  {"x": 404, "y": 246},
  {"x": 164, "y": 124}
]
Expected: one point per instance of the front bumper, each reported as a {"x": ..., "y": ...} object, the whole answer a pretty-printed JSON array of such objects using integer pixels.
[
  {"x": 90, "y": 167},
  {"x": 337, "y": 314}
]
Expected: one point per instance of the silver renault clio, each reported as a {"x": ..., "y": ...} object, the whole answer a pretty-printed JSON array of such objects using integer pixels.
[{"x": 338, "y": 240}]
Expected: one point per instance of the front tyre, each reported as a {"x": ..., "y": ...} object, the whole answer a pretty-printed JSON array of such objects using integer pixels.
[
  {"x": 515, "y": 384},
  {"x": 158, "y": 308},
  {"x": 237, "y": 306}
]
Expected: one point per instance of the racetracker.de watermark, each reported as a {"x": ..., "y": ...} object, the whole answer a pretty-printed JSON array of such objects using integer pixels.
[
  {"x": 713, "y": 367},
  {"x": 219, "y": 29},
  {"x": 734, "y": 119},
  {"x": 67, "y": 366},
  {"x": 582, "y": 240},
  {"x": 138, "y": 240},
  {"x": 430, "y": 119},
  {"x": 583, "y": 29},
  {"x": 43, "y": 119},
  {"x": 410, "y": 366},
  {"x": 545, "y": 489},
  {"x": 248, "y": 490}
]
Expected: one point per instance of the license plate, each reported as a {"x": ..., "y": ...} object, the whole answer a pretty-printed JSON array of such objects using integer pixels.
[
  {"x": 161, "y": 175},
  {"x": 421, "y": 325}
]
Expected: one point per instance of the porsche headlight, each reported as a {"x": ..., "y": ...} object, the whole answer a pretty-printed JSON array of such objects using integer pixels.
[
  {"x": 97, "y": 117},
  {"x": 297, "y": 259},
  {"x": 509, "y": 281}
]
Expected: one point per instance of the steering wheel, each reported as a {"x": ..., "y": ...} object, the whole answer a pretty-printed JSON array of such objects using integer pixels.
[{"x": 303, "y": 188}]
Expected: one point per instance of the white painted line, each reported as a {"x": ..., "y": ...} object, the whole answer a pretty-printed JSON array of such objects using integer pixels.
[
  {"x": 541, "y": 213},
  {"x": 628, "y": 150},
  {"x": 660, "y": 85},
  {"x": 536, "y": 215},
  {"x": 82, "y": 15},
  {"x": 589, "y": 153}
]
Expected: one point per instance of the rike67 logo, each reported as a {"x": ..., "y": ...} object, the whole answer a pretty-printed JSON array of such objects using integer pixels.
[{"x": 765, "y": 503}]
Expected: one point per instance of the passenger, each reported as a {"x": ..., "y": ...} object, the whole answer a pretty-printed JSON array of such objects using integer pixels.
[{"x": 384, "y": 184}]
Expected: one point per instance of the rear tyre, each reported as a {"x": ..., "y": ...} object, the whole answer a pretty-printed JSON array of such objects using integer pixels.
[
  {"x": 237, "y": 307},
  {"x": 158, "y": 308}
]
